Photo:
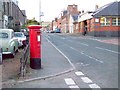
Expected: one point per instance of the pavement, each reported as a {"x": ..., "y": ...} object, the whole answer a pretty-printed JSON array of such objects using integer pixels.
[{"x": 53, "y": 63}]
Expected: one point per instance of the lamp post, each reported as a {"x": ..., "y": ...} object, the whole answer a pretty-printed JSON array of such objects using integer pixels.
[{"x": 40, "y": 12}]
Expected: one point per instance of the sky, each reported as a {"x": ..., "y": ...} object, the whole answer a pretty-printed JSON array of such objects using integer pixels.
[{"x": 52, "y": 8}]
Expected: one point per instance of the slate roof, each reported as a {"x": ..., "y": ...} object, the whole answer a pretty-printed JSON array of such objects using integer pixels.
[
  {"x": 111, "y": 9},
  {"x": 75, "y": 17}
]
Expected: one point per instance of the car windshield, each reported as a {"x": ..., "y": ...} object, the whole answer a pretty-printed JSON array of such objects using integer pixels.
[
  {"x": 3, "y": 35},
  {"x": 19, "y": 35}
]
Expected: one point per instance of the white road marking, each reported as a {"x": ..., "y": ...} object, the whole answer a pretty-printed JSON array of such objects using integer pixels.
[
  {"x": 94, "y": 58},
  {"x": 87, "y": 55},
  {"x": 86, "y": 80},
  {"x": 75, "y": 86},
  {"x": 94, "y": 86},
  {"x": 48, "y": 36},
  {"x": 82, "y": 52},
  {"x": 107, "y": 50},
  {"x": 62, "y": 54},
  {"x": 69, "y": 81},
  {"x": 84, "y": 44},
  {"x": 79, "y": 73},
  {"x": 72, "y": 48},
  {"x": 90, "y": 38}
]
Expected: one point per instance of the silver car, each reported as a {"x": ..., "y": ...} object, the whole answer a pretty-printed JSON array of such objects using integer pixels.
[{"x": 21, "y": 38}]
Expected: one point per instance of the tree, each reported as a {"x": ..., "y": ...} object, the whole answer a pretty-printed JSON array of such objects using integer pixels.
[{"x": 30, "y": 22}]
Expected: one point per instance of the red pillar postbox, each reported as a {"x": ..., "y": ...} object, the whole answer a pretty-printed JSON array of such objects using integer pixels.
[{"x": 35, "y": 46}]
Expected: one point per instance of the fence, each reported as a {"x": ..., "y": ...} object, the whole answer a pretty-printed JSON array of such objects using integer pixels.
[{"x": 23, "y": 61}]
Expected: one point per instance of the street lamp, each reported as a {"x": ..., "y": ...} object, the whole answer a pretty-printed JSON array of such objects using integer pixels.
[{"x": 40, "y": 13}]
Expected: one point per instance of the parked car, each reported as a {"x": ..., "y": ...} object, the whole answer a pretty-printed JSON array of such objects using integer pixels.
[
  {"x": 8, "y": 43},
  {"x": 0, "y": 54},
  {"x": 26, "y": 33},
  {"x": 52, "y": 31},
  {"x": 57, "y": 30},
  {"x": 21, "y": 38}
]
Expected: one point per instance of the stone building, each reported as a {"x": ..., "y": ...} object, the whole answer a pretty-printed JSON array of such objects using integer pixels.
[{"x": 13, "y": 16}]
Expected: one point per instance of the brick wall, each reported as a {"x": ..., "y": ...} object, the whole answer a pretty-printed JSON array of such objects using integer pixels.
[{"x": 97, "y": 29}]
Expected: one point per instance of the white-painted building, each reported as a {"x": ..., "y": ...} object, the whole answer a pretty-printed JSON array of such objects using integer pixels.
[{"x": 71, "y": 25}]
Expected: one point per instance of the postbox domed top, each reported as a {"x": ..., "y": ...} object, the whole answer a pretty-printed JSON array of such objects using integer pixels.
[{"x": 34, "y": 27}]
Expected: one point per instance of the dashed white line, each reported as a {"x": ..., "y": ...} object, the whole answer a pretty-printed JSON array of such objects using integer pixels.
[
  {"x": 94, "y": 86},
  {"x": 87, "y": 55},
  {"x": 94, "y": 58},
  {"x": 86, "y": 80},
  {"x": 84, "y": 44},
  {"x": 47, "y": 36},
  {"x": 69, "y": 81},
  {"x": 107, "y": 50},
  {"x": 79, "y": 73},
  {"x": 82, "y": 52},
  {"x": 75, "y": 86}
]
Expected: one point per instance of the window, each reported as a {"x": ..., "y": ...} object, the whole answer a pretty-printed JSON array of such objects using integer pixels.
[
  {"x": 3, "y": 35},
  {"x": 116, "y": 21},
  {"x": 105, "y": 21}
]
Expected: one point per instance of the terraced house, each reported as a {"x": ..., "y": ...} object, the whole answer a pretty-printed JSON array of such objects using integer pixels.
[{"x": 103, "y": 22}]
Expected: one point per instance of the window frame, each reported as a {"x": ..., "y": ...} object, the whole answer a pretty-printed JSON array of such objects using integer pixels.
[
  {"x": 105, "y": 22},
  {"x": 117, "y": 21}
]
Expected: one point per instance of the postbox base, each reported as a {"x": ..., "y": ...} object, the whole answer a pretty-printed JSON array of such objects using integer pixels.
[{"x": 35, "y": 63}]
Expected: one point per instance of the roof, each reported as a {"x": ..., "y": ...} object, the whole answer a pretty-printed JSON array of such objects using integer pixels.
[
  {"x": 110, "y": 9},
  {"x": 85, "y": 16},
  {"x": 75, "y": 17},
  {"x": 6, "y": 30}
]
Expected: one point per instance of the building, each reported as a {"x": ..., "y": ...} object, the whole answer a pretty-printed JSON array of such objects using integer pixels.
[
  {"x": 68, "y": 17},
  {"x": 104, "y": 21},
  {"x": 85, "y": 20},
  {"x": 1, "y": 14},
  {"x": 107, "y": 20},
  {"x": 13, "y": 16},
  {"x": 73, "y": 23},
  {"x": 46, "y": 26}
]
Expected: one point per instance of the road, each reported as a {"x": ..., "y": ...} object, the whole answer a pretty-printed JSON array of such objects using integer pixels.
[
  {"x": 94, "y": 63},
  {"x": 97, "y": 60}
]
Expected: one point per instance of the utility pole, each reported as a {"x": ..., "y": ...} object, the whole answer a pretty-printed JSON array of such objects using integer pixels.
[{"x": 40, "y": 12}]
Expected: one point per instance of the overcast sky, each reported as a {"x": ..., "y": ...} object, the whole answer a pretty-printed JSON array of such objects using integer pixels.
[{"x": 52, "y": 8}]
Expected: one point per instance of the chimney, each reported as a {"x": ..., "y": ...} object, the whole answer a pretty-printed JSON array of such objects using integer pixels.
[
  {"x": 82, "y": 11},
  {"x": 79, "y": 12},
  {"x": 96, "y": 7}
]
